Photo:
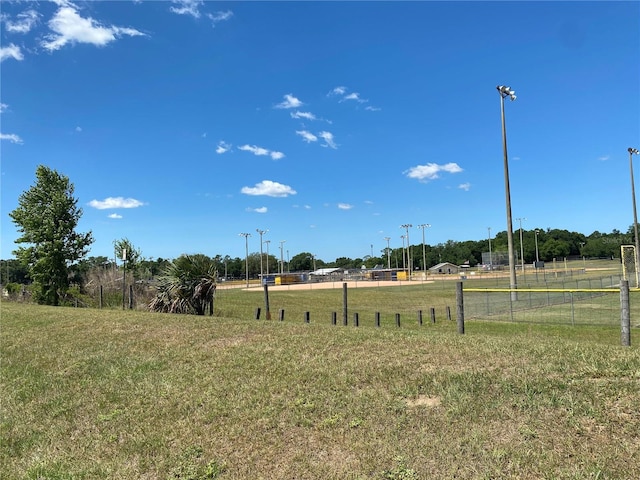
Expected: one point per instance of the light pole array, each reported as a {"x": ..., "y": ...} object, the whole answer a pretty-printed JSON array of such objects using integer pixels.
[
  {"x": 261, "y": 232},
  {"x": 537, "y": 254},
  {"x": 246, "y": 255},
  {"x": 267, "y": 242},
  {"x": 507, "y": 92},
  {"x": 388, "y": 253},
  {"x": 633, "y": 151},
  {"x": 424, "y": 254},
  {"x": 407, "y": 226}
]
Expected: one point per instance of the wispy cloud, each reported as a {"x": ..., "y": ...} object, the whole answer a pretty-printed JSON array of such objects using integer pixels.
[
  {"x": 328, "y": 139},
  {"x": 307, "y": 115},
  {"x": 223, "y": 147},
  {"x": 70, "y": 28},
  {"x": 345, "y": 206},
  {"x": 307, "y": 136},
  {"x": 114, "y": 215},
  {"x": 115, "y": 202},
  {"x": 353, "y": 96},
  {"x": 259, "y": 151},
  {"x": 257, "y": 210},
  {"x": 187, "y": 7},
  {"x": 464, "y": 186},
  {"x": 12, "y": 51},
  {"x": 12, "y": 137},
  {"x": 78, "y": 129},
  {"x": 3, "y": 107},
  {"x": 337, "y": 91},
  {"x": 431, "y": 171},
  {"x": 23, "y": 23},
  {"x": 372, "y": 109},
  {"x": 270, "y": 189},
  {"x": 604, "y": 158},
  {"x": 289, "y": 102},
  {"x": 219, "y": 17}
]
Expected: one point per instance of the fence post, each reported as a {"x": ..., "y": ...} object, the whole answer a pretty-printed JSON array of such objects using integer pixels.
[
  {"x": 344, "y": 304},
  {"x": 100, "y": 299},
  {"x": 334, "y": 318},
  {"x": 257, "y": 314},
  {"x": 448, "y": 308},
  {"x": 281, "y": 314},
  {"x": 377, "y": 316},
  {"x": 130, "y": 297},
  {"x": 307, "y": 317},
  {"x": 397, "y": 320},
  {"x": 460, "y": 307},
  {"x": 356, "y": 321},
  {"x": 420, "y": 317},
  {"x": 625, "y": 314},
  {"x": 433, "y": 315},
  {"x": 266, "y": 302}
]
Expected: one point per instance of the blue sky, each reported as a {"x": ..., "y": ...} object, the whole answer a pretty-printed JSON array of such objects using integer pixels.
[{"x": 329, "y": 124}]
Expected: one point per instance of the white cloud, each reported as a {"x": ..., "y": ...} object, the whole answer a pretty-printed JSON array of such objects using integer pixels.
[
  {"x": 24, "y": 22},
  {"x": 337, "y": 91},
  {"x": 12, "y": 51},
  {"x": 604, "y": 158},
  {"x": 78, "y": 129},
  {"x": 372, "y": 109},
  {"x": 328, "y": 138},
  {"x": 464, "y": 186},
  {"x": 219, "y": 16},
  {"x": 187, "y": 7},
  {"x": 12, "y": 137},
  {"x": 69, "y": 27},
  {"x": 115, "y": 202},
  {"x": 345, "y": 206},
  {"x": 354, "y": 96},
  {"x": 258, "y": 210},
  {"x": 222, "y": 147},
  {"x": 289, "y": 102},
  {"x": 259, "y": 151},
  {"x": 114, "y": 215},
  {"x": 307, "y": 115},
  {"x": 431, "y": 171},
  {"x": 307, "y": 136},
  {"x": 269, "y": 189},
  {"x": 3, "y": 107}
]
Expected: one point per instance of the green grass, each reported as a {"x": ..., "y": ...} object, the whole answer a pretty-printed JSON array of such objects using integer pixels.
[{"x": 97, "y": 394}]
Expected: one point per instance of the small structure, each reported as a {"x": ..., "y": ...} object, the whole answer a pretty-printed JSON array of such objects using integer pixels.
[
  {"x": 445, "y": 268},
  {"x": 327, "y": 275}
]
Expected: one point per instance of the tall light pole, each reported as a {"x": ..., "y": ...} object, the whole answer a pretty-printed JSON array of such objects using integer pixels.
[
  {"x": 404, "y": 264},
  {"x": 424, "y": 252},
  {"x": 407, "y": 226},
  {"x": 537, "y": 255},
  {"x": 281, "y": 257},
  {"x": 261, "y": 232},
  {"x": 246, "y": 255},
  {"x": 388, "y": 253},
  {"x": 635, "y": 214},
  {"x": 521, "y": 244},
  {"x": 490, "y": 256},
  {"x": 507, "y": 92},
  {"x": 267, "y": 242}
]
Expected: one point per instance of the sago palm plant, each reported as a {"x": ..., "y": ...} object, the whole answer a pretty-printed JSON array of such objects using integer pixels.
[{"x": 188, "y": 285}]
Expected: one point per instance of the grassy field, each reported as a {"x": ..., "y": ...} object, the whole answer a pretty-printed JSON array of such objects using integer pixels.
[{"x": 97, "y": 394}]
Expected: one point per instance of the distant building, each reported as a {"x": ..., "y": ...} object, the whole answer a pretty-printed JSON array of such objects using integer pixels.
[{"x": 445, "y": 268}]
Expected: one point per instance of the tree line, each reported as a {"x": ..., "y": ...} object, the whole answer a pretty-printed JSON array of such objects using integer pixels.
[{"x": 52, "y": 256}]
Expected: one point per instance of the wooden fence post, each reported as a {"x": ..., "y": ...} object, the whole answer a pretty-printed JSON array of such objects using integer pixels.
[
  {"x": 257, "y": 314},
  {"x": 433, "y": 315},
  {"x": 377, "y": 316},
  {"x": 420, "y": 317},
  {"x": 334, "y": 318},
  {"x": 397, "y": 320},
  {"x": 266, "y": 302},
  {"x": 344, "y": 304},
  {"x": 307, "y": 317},
  {"x": 281, "y": 314}
]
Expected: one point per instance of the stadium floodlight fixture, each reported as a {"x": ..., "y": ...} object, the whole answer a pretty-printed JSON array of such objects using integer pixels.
[
  {"x": 513, "y": 281},
  {"x": 506, "y": 92},
  {"x": 261, "y": 232},
  {"x": 633, "y": 151},
  {"x": 246, "y": 255},
  {"x": 407, "y": 226}
]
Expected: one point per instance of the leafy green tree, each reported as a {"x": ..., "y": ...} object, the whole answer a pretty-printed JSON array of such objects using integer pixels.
[
  {"x": 47, "y": 216},
  {"x": 134, "y": 255},
  {"x": 187, "y": 286}
]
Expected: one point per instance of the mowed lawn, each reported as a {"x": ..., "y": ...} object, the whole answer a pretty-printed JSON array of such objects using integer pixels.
[{"x": 99, "y": 394}]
